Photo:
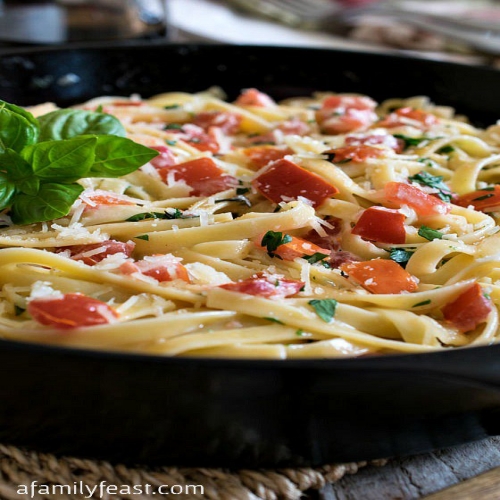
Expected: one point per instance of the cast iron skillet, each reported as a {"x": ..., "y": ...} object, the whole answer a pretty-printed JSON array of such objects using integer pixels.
[{"x": 243, "y": 413}]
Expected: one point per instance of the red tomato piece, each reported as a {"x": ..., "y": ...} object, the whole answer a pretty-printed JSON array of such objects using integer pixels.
[
  {"x": 260, "y": 156},
  {"x": 229, "y": 123},
  {"x": 160, "y": 267},
  {"x": 268, "y": 286},
  {"x": 165, "y": 159},
  {"x": 253, "y": 97},
  {"x": 72, "y": 310},
  {"x": 202, "y": 175},
  {"x": 335, "y": 122},
  {"x": 405, "y": 116},
  {"x": 93, "y": 200},
  {"x": 95, "y": 252},
  {"x": 484, "y": 200},
  {"x": 356, "y": 154},
  {"x": 294, "y": 126},
  {"x": 380, "y": 276},
  {"x": 382, "y": 225},
  {"x": 284, "y": 180},
  {"x": 298, "y": 247},
  {"x": 348, "y": 101},
  {"x": 399, "y": 193},
  {"x": 195, "y": 136},
  {"x": 468, "y": 310},
  {"x": 376, "y": 139}
]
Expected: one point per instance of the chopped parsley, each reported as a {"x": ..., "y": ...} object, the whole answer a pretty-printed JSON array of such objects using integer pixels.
[
  {"x": 429, "y": 233},
  {"x": 177, "y": 214},
  {"x": 172, "y": 106},
  {"x": 410, "y": 141},
  {"x": 315, "y": 257},
  {"x": 446, "y": 149},
  {"x": 274, "y": 320},
  {"x": 400, "y": 255},
  {"x": 325, "y": 308},
  {"x": 272, "y": 240},
  {"x": 173, "y": 126},
  {"x": 423, "y": 303},
  {"x": 299, "y": 332},
  {"x": 144, "y": 237},
  {"x": 434, "y": 181}
]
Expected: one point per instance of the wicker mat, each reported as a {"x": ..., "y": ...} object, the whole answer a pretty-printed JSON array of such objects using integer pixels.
[{"x": 29, "y": 474}]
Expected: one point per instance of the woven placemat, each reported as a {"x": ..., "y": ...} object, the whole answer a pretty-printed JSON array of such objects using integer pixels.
[{"x": 30, "y": 474}]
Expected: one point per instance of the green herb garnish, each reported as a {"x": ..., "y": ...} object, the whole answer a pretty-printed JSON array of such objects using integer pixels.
[
  {"x": 446, "y": 149},
  {"x": 484, "y": 197},
  {"x": 315, "y": 257},
  {"x": 434, "y": 181},
  {"x": 240, "y": 198},
  {"x": 429, "y": 233},
  {"x": 325, "y": 308},
  {"x": 410, "y": 141},
  {"x": 176, "y": 214},
  {"x": 41, "y": 160},
  {"x": 172, "y": 106},
  {"x": 272, "y": 240},
  {"x": 274, "y": 320},
  {"x": 400, "y": 255},
  {"x": 423, "y": 303},
  {"x": 144, "y": 237}
]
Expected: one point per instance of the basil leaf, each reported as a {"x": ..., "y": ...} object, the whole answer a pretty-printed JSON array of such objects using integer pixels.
[
  {"x": 433, "y": 181},
  {"x": 62, "y": 161},
  {"x": 272, "y": 240},
  {"x": 429, "y": 233},
  {"x": 18, "y": 128},
  {"x": 19, "y": 172},
  {"x": 325, "y": 308},
  {"x": 51, "y": 202},
  {"x": 69, "y": 123},
  {"x": 176, "y": 214},
  {"x": 117, "y": 156},
  {"x": 7, "y": 189}
]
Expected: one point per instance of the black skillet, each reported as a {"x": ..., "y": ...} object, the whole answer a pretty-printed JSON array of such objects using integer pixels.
[{"x": 244, "y": 413}]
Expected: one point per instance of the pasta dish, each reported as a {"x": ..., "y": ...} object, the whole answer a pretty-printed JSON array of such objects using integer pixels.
[{"x": 185, "y": 224}]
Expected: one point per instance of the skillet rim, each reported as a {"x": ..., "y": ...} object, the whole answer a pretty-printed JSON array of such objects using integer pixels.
[{"x": 378, "y": 361}]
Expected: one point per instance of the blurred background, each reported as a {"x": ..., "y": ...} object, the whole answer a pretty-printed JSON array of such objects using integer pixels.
[{"x": 460, "y": 30}]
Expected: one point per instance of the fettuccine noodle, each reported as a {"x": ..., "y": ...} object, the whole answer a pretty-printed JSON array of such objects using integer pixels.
[{"x": 323, "y": 226}]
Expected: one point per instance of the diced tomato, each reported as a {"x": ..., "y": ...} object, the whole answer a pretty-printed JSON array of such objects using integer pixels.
[
  {"x": 284, "y": 180},
  {"x": 100, "y": 197},
  {"x": 253, "y": 97},
  {"x": 95, "y": 252},
  {"x": 356, "y": 154},
  {"x": 380, "y": 276},
  {"x": 484, "y": 200},
  {"x": 195, "y": 136},
  {"x": 294, "y": 126},
  {"x": 165, "y": 159},
  {"x": 376, "y": 139},
  {"x": 405, "y": 116},
  {"x": 229, "y": 123},
  {"x": 468, "y": 310},
  {"x": 382, "y": 225},
  {"x": 399, "y": 193},
  {"x": 342, "y": 122},
  {"x": 72, "y": 310},
  {"x": 298, "y": 247},
  {"x": 268, "y": 286},
  {"x": 260, "y": 156},
  {"x": 160, "y": 267},
  {"x": 202, "y": 175},
  {"x": 348, "y": 101}
]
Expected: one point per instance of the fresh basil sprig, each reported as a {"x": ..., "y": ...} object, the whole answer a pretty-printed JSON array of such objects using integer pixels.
[{"x": 42, "y": 160}]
